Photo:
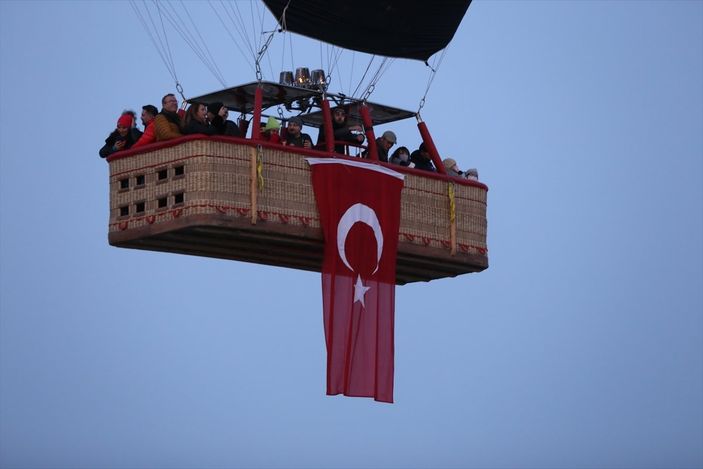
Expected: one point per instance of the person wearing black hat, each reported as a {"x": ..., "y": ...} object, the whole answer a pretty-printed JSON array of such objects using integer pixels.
[
  {"x": 421, "y": 158},
  {"x": 294, "y": 137},
  {"x": 217, "y": 116}
]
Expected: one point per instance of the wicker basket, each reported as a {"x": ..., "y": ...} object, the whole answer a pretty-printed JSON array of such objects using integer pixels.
[{"x": 182, "y": 188}]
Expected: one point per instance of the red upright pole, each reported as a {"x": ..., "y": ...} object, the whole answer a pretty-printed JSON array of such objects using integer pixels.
[
  {"x": 370, "y": 136},
  {"x": 431, "y": 149},
  {"x": 327, "y": 119},
  {"x": 256, "y": 120}
]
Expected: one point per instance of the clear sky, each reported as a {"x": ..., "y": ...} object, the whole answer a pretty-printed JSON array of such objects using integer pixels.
[{"x": 581, "y": 346}]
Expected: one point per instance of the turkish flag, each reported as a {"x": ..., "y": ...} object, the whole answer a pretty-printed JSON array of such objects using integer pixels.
[{"x": 359, "y": 205}]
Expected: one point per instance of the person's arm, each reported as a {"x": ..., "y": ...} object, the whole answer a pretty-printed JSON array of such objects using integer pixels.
[
  {"x": 106, "y": 150},
  {"x": 307, "y": 141},
  {"x": 195, "y": 127},
  {"x": 147, "y": 137},
  {"x": 110, "y": 146}
]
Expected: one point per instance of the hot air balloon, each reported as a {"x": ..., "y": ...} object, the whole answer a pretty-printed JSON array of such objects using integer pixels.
[{"x": 249, "y": 199}]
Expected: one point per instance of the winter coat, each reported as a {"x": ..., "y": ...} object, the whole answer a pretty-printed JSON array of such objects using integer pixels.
[
  {"x": 149, "y": 136},
  {"x": 196, "y": 127},
  {"x": 382, "y": 152},
  {"x": 298, "y": 141},
  {"x": 167, "y": 126},
  {"x": 398, "y": 161},
  {"x": 109, "y": 147},
  {"x": 421, "y": 162},
  {"x": 226, "y": 127},
  {"x": 341, "y": 133}
]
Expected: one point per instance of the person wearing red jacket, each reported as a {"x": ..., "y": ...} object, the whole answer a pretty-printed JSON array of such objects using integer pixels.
[{"x": 149, "y": 112}]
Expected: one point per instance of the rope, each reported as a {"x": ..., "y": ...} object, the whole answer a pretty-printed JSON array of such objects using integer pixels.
[
  {"x": 452, "y": 218},
  {"x": 260, "y": 167},
  {"x": 253, "y": 185}
]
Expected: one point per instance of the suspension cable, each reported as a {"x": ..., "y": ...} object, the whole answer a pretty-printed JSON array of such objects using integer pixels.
[
  {"x": 433, "y": 74},
  {"x": 361, "y": 80},
  {"x": 236, "y": 43},
  {"x": 380, "y": 71},
  {"x": 207, "y": 49},
  {"x": 162, "y": 47},
  {"x": 259, "y": 76},
  {"x": 160, "y": 51},
  {"x": 240, "y": 26},
  {"x": 201, "y": 51}
]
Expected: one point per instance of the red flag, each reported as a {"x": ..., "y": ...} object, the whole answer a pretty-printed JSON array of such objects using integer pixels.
[{"x": 359, "y": 205}]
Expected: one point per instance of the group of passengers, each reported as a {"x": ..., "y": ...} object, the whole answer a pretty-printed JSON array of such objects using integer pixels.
[{"x": 212, "y": 119}]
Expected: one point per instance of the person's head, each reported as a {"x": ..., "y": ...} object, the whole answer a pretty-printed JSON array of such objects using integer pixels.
[
  {"x": 169, "y": 103},
  {"x": 132, "y": 114},
  {"x": 295, "y": 125},
  {"x": 272, "y": 125},
  {"x": 401, "y": 153},
  {"x": 339, "y": 115},
  {"x": 388, "y": 139},
  {"x": 124, "y": 124},
  {"x": 196, "y": 111},
  {"x": 450, "y": 165},
  {"x": 148, "y": 113},
  {"x": 213, "y": 109}
]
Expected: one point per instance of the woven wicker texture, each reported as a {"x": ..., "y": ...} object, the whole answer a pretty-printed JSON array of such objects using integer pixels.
[{"x": 216, "y": 179}]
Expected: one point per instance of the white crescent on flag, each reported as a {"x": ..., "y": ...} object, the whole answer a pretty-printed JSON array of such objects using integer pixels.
[{"x": 359, "y": 213}]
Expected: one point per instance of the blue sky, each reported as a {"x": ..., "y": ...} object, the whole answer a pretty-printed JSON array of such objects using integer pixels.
[{"x": 581, "y": 346}]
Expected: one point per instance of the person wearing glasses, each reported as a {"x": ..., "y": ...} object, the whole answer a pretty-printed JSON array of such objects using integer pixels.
[{"x": 167, "y": 124}]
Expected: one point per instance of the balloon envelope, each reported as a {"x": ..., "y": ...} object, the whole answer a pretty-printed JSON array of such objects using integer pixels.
[{"x": 397, "y": 28}]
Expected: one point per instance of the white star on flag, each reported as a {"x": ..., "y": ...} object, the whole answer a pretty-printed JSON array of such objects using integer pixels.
[{"x": 360, "y": 291}]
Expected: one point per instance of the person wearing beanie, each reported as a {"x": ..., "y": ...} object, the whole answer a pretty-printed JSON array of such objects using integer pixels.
[
  {"x": 421, "y": 158},
  {"x": 167, "y": 124},
  {"x": 294, "y": 136},
  {"x": 401, "y": 156},
  {"x": 123, "y": 137},
  {"x": 217, "y": 116},
  {"x": 451, "y": 167},
  {"x": 269, "y": 132},
  {"x": 149, "y": 113},
  {"x": 342, "y": 131}
]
